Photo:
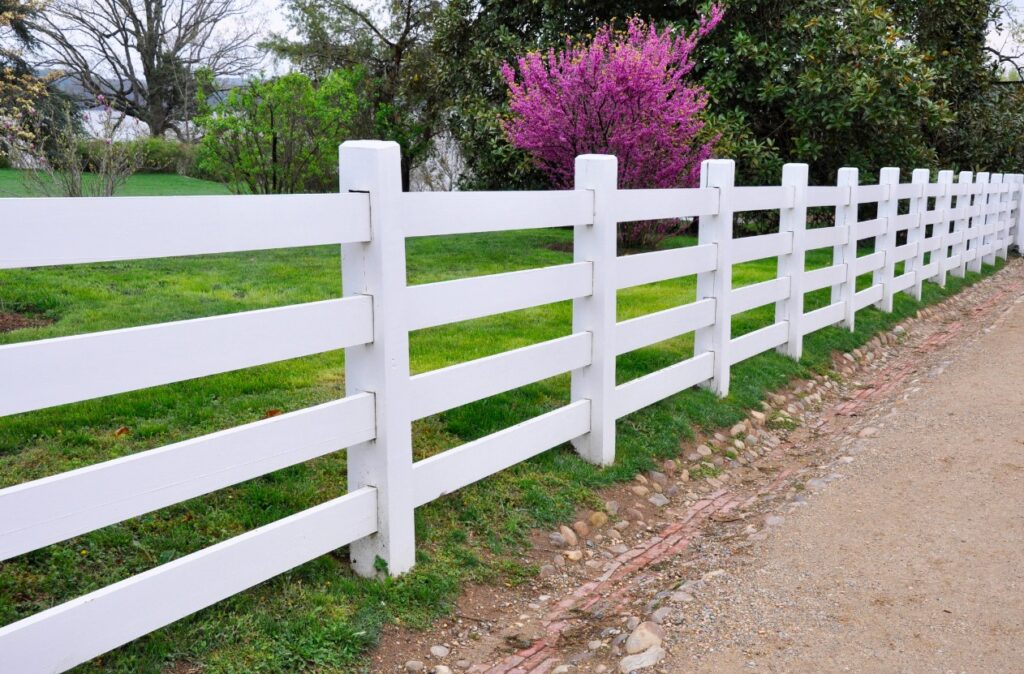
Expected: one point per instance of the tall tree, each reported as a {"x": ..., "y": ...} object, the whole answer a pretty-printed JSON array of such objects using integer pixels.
[
  {"x": 141, "y": 55},
  {"x": 474, "y": 37},
  {"x": 392, "y": 42}
]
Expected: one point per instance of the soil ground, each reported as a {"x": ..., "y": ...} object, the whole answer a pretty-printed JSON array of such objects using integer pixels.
[{"x": 884, "y": 533}]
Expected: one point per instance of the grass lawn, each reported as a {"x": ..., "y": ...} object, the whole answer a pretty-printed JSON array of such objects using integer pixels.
[
  {"x": 319, "y": 617},
  {"x": 140, "y": 184}
]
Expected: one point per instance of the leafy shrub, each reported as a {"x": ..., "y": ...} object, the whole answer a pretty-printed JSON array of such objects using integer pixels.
[
  {"x": 155, "y": 155},
  {"x": 281, "y": 135},
  {"x": 161, "y": 155}
]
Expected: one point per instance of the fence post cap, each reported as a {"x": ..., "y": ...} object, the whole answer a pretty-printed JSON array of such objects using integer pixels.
[{"x": 369, "y": 144}]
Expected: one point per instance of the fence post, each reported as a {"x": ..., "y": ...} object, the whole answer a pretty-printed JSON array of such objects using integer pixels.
[
  {"x": 377, "y": 268},
  {"x": 963, "y": 203},
  {"x": 941, "y": 228},
  {"x": 978, "y": 221},
  {"x": 992, "y": 220},
  {"x": 1003, "y": 226},
  {"x": 717, "y": 284},
  {"x": 915, "y": 234},
  {"x": 846, "y": 253},
  {"x": 794, "y": 221},
  {"x": 596, "y": 314},
  {"x": 886, "y": 243},
  {"x": 1018, "y": 221}
]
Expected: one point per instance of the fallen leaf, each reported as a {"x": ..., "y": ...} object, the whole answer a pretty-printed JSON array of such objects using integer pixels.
[
  {"x": 124, "y": 430},
  {"x": 271, "y": 413}
]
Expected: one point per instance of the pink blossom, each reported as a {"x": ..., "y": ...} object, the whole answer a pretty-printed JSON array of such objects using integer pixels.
[{"x": 623, "y": 93}]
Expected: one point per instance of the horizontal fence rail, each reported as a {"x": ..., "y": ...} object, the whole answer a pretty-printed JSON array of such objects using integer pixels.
[
  {"x": 922, "y": 231},
  {"x": 55, "y": 231}
]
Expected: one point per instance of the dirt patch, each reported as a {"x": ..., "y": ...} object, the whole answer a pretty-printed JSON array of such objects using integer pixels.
[{"x": 11, "y": 321}]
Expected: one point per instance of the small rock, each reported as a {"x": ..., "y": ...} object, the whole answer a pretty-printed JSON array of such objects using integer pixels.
[
  {"x": 774, "y": 520},
  {"x": 631, "y": 623},
  {"x": 595, "y": 644},
  {"x": 817, "y": 484},
  {"x": 612, "y": 507},
  {"x": 581, "y": 529},
  {"x": 684, "y": 475},
  {"x": 548, "y": 570},
  {"x": 867, "y": 432},
  {"x": 681, "y": 597},
  {"x": 574, "y": 555},
  {"x": 560, "y": 669},
  {"x": 659, "y": 500},
  {"x": 648, "y": 658},
  {"x": 660, "y": 615},
  {"x": 442, "y": 669},
  {"x": 524, "y": 638},
  {"x": 658, "y": 478},
  {"x": 669, "y": 466},
  {"x": 738, "y": 429},
  {"x": 463, "y": 664},
  {"x": 758, "y": 417},
  {"x": 598, "y": 519},
  {"x": 640, "y": 490},
  {"x": 704, "y": 450},
  {"x": 646, "y": 635},
  {"x": 440, "y": 651},
  {"x": 414, "y": 666},
  {"x": 569, "y": 535}
]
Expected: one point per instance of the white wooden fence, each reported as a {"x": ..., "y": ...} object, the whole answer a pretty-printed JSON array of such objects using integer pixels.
[{"x": 951, "y": 226}]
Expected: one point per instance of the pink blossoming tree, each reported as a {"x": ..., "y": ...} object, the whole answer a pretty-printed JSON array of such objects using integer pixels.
[{"x": 624, "y": 93}]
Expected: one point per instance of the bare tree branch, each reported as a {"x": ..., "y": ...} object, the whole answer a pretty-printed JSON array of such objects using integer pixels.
[{"x": 141, "y": 55}]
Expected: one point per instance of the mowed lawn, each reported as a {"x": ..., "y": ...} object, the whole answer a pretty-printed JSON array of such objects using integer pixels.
[{"x": 320, "y": 617}]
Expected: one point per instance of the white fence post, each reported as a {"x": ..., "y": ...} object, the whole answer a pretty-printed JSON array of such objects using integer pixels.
[
  {"x": 886, "y": 243},
  {"x": 794, "y": 221},
  {"x": 916, "y": 232},
  {"x": 1003, "y": 227},
  {"x": 941, "y": 228},
  {"x": 846, "y": 253},
  {"x": 992, "y": 220},
  {"x": 978, "y": 221},
  {"x": 1017, "y": 220},
  {"x": 377, "y": 268},
  {"x": 595, "y": 314},
  {"x": 717, "y": 284},
  {"x": 963, "y": 202}
]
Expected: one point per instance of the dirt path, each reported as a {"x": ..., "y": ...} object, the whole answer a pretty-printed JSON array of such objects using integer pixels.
[
  {"x": 883, "y": 531},
  {"x": 914, "y": 560}
]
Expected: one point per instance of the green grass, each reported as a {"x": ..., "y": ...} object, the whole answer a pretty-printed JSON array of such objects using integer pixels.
[
  {"x": 141, "y": 184},
  {"x": 319, "y": 617}
]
